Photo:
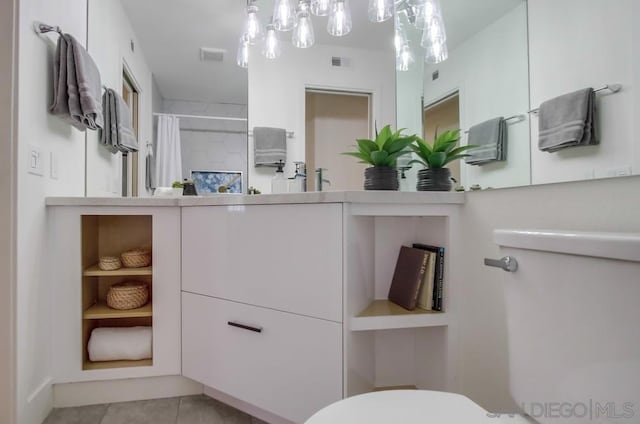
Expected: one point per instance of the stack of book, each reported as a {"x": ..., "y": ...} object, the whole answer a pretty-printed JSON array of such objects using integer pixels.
[{"x": 418, "y": 277}]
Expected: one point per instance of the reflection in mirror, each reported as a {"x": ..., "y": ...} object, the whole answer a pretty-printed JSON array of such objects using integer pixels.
[
  {"x": 180, "y": 62},
  {"x": 485, "y": 77},
  {"x": 156, "y": 63},
  {"x": 326, "y": 96},
  {"x": 575, "y": 44}
]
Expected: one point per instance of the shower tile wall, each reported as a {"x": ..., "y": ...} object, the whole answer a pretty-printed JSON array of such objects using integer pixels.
[{"x": 211, "y": 145}]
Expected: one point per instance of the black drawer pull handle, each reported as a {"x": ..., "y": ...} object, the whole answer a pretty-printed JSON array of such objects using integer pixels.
[{"x": 245, "y": 327}]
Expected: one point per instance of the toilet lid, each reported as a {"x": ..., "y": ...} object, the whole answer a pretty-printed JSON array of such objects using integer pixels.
[{"x": 403, "y": 406}]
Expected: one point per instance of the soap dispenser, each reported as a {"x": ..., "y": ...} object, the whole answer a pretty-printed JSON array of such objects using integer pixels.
[{"x": 279, "y": 183}]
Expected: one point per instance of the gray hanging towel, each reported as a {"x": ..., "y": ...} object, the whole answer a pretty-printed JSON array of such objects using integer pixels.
[
  {"x": 108, "y": 139},
  {"x": 568, "y": 121},
  {"x": 270, "y": 145},
  {"x": 60, "y": 104},
  {"x": 149, "y": 171},
  {"x": 76, "y": 86},
  {"x": 118, "y": 135},
  {"x": 491, "y": 138}
]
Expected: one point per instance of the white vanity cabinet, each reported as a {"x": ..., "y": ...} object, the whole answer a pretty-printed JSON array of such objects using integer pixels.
[
  {"x": 78, "y": 237},
  {"x": 277, "y": 304},
  {"x": 284, "y": 257},
  {"x": 262, "y": 304},
  {"x": 287, "y": 364}
]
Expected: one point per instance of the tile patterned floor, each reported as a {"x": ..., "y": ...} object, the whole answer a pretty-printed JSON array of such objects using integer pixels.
[{"x": 198, "y": 409}]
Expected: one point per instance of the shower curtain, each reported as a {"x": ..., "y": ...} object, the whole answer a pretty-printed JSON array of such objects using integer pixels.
[{"x": 168, "y": 151}]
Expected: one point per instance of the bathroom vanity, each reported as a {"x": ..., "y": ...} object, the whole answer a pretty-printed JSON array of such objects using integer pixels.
[{"x": 276, "y": 301}]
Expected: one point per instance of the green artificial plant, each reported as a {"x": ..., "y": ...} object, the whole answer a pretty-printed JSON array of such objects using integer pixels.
[
  {"x": 441, "y": 152},
  {"x": 385, "y": 150}
]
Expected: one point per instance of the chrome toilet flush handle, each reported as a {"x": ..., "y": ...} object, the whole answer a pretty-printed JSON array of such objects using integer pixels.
[{"x": 508, "y": 263}]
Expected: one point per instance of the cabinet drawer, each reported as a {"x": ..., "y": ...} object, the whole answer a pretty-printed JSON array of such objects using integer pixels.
[
  {"x": 292, "y": 367},
  {"x": 285, "y": 257}
]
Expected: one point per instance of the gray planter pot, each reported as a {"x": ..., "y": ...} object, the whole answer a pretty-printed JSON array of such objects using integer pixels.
[
  {"x": 381, "y": 178},
  {"x": 434, "y": 179}
]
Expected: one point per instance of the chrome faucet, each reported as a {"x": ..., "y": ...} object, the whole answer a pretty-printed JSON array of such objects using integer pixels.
[
  {"x": 319, "y": 180},
  {"x": 301, "y": 172}
]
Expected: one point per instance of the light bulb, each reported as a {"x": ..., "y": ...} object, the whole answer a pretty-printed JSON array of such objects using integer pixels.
[
  {"x": 425, "y": 12},
  {"x": 320, "y": 7},
  {"x": 405, "y": 58},
  {"x": 284, "y": 15},
  {"x": 242, "y": 59},
  {"x": 380, "y": 10},
  {"x": 340, "y": 19},
  {"x": 303, "y": 36},
  {"x": 436, "y": 52},
  {"x": 434, "y": 32},
  {"x": 271, "y": 49},
  {"x": 400, "y": 36},
  {"x": 253, "y": 26}
]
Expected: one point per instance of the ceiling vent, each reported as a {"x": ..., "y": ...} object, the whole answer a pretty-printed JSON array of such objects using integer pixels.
[
  {"x": 339, "y": 62},
  {"x": 208, "y": 54}
]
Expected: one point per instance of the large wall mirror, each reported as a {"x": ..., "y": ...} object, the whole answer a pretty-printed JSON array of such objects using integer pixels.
[{"x": 506, "y": 57}]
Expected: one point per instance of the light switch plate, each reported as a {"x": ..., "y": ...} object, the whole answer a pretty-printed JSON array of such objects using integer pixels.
[{"x": 35, "y": 160}]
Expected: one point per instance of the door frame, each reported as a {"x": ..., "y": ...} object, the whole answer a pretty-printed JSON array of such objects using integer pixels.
[
  {"x": 132, "y": 164},
  {"x": 373, "y": 94},
  {"x": 368, "y": 94}
]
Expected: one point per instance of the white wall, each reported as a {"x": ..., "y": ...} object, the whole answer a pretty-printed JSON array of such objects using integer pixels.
[
  {"x": 490, "y": 71},
  {"x": 7, "y": 211},
  {"x": 569, "y": 206},
  {"x": 277, "y": 93},
  {"x": 51, "y": 135},
  {"x": 576, "y": 44},
  {"x": 211, "y": 145},
  {"x": 109, "y": 37}
]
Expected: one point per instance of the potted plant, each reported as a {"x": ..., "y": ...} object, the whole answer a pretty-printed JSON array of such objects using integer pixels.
[
  {"x": 177, "y": 188},
  {"x": 435, "y": 176},
  {"x": 382, "y": 154}
]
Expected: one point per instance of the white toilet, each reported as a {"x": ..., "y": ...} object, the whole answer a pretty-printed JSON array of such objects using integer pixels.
[{"x": 573, "y": 318}]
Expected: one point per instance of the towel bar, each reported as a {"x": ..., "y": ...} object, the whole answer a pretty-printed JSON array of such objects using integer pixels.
[
  {"x": 614, "y": 88},
  {"x": 42, "y": 28},
  {"x": 519, "y": 118},
  {"x": 290, "y": 134}
]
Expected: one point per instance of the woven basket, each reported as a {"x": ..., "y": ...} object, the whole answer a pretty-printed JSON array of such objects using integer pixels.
[
  {"x": 128, "y": 295},
  {"x": 136, "y": 258},
  {"x": 109, "y": 263}
]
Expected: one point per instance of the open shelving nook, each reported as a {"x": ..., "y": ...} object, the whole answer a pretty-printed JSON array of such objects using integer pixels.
[
  {"x": 387, "y": 346},
  {"x": 110, "y": 235}
]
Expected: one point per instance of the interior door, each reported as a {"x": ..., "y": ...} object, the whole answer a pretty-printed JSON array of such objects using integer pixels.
[
  {"x": 441, "y": 116},
  {"x": 334, "y": 120}
]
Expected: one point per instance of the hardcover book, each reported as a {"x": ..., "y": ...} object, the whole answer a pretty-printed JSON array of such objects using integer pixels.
[
  {"x": 439, "y": 273},
  {"x": 425, "y": 297},
  {"x": 408, "y": 276}
]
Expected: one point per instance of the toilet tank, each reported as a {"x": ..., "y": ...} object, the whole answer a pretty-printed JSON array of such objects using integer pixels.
[{"x": 573, "y": 322}]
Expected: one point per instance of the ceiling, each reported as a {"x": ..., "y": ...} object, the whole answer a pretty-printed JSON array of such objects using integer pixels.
[{"x": 171, "y": 38}]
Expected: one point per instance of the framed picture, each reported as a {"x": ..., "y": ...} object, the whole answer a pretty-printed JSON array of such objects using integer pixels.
[{"x": 210, "y": 182}]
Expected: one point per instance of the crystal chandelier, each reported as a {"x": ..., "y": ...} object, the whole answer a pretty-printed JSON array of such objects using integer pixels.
[{"x": 296, "y": 16}]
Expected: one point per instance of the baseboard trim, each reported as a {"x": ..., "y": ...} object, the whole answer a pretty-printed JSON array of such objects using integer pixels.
[
  {"x": 38, "y": 404},
  {"x": 112, "y": 391},
  {"x": 252, "y": 410}
]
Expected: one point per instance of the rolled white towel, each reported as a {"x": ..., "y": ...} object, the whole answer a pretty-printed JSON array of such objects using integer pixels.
[{"x": 120, "y": 344}]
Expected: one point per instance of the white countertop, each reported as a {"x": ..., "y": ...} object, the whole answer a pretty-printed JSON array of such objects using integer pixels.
[{"x": 358, "y": 197}]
